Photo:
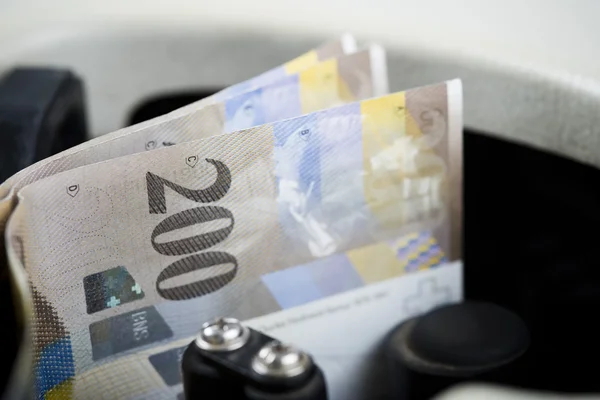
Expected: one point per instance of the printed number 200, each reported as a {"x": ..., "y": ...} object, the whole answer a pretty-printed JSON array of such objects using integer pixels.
[{"x": 158, "y": 205}]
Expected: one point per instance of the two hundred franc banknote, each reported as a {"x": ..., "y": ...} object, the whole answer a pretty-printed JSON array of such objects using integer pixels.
[{"x": 306, "y": 182}]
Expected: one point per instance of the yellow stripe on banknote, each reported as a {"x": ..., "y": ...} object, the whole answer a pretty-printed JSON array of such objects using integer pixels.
[
  {"x": 384, "y": 127},
  {"x": 62, "y": 391},
  {"x": 375, "y": 263},
  {"x": 344, "y": 93},
  {"x": 423, "y": 248},
  {"x": 411, "y": 124},
  {"x": 319, "y": 86},
  {"x": 301, "y": 63},
  {"x": 433, "y": 261}
]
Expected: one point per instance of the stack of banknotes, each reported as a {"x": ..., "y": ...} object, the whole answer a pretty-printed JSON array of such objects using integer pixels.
[{"x": 306, "y": 182}]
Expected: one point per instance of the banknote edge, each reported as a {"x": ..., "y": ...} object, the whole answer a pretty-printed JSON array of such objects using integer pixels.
[
  {"x": 348, "y": 42},
  {"x": 379, "y": 72},
  {"x": 455, "y": 147},
  {"x": 20, "y": 377}
]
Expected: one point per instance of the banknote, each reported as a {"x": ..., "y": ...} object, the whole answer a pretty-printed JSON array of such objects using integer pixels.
[
  {"x": 352, "y": 77},
  {"x": 346, "y": 44},
  {"x": 190, "y": 231},
  {"x": 164, "y": 131}
]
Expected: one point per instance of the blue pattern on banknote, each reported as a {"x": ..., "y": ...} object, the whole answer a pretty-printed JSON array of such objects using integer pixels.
[
  {"x": 277, "y": 101},
  {"x": 318, "y": 279},
  {"x": 281, "y": 99},
  {"x": 342, "y": 171},
  {"x": 251, "y": 84},
  {"x": 55, "y": 366},
  {"x": 298, "y": 180},
  {"x": 297, "y": 160},
  {"x": 244, "y": 111},
  {"x": 292, "y": 287}
]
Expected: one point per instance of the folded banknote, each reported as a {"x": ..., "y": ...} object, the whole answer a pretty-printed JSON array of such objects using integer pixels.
[
  {"x": 337, "y": 81},
  {"x": 346, "y": 44},
  {"x": 343, "y": 45},
  {"x": 333, "y": 82},
  {"x": 162, "y": 240}
]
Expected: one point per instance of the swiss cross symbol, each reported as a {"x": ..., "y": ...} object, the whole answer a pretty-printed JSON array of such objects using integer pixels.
[
  {"x": 136, "y": 288},
  {"x": 113, "y": 302},
  {"x": 429, "y": 295}
]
